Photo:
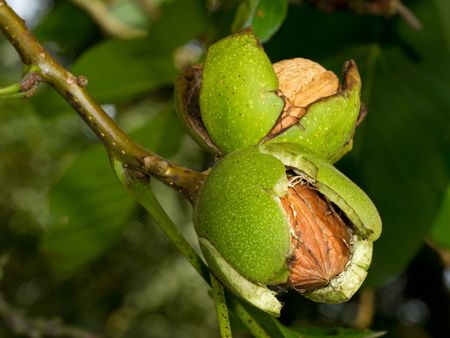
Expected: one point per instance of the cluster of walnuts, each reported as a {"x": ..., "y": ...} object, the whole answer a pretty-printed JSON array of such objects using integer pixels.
[{"x": 274, "y": 212}]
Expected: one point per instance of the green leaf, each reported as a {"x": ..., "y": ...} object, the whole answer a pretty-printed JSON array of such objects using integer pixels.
[
  {"x": 400, "y": 156},
  {"x": 129, "y": 13},
  {"x": 403, "y": 153},
  {"x": 266, "y": 17},
  {"x": 443, "y": 8},
  {"x": 120, "y": 70},
  {"x": 89, "y": 208},
  {"x": 440, "y": 233},
  {"x": 55, "y": 31},
  {"x": 244, "y": 14}
]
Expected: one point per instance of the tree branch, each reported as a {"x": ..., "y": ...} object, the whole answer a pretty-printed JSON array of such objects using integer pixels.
[{"x": 72, "y": 88}]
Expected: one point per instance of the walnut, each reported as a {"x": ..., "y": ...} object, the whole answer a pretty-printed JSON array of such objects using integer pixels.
[
  {"x": 320, "y": 241},
  {"x": 301, "y": 82}
]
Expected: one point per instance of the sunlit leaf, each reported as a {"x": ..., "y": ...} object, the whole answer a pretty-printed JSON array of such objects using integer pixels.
[{"x": 265, "y": 16}]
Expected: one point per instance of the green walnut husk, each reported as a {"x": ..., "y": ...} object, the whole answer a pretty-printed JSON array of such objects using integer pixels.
[
  {"x": 328, "y": 125},
  {"x": 245, "y": 234},
  {"x": 238, "y": 85},
  {"x": 234, "y": 100}
]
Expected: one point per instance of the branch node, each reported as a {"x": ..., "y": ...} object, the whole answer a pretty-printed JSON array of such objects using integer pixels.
[
  {"x": 160, "y": 168},
  {"x": 30, "y": 83},
  {"x": 82, "y": 81}
]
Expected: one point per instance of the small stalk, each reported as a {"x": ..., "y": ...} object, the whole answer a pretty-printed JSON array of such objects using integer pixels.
[
  {"x": 23, "y": 89},
  {"x": 247, "y": 319},
  {"x": 139, "y": 187},
  {"x": 221, "y": 308},
  {"x": 13, "y": 89}
]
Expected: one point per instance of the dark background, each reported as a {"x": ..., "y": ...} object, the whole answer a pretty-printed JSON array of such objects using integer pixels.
[{"x": 75, "y": 247}]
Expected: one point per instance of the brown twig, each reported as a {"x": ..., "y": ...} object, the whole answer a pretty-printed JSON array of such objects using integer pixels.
[
  {"x": 366, "y": 309},
  {"x": 408, "y": 15},
  {"x": 72, "y": 89}
]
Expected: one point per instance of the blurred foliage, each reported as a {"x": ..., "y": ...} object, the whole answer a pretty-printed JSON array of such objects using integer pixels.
[
  {"x": 109, "y": 205},
  {"x": 81, "y": 250},
  {"x": 441, "y": 229},
  {"x": 265, "y": 17}
]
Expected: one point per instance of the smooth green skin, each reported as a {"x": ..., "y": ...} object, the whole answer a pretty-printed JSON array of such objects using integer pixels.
[
  {"x": 239, "y": 105},
  {"x": 328, "y": 126},
  {"x": 238, "y": 100},
  {"x": 238, "y": 212},
  {"x": 243, "y": 229}
]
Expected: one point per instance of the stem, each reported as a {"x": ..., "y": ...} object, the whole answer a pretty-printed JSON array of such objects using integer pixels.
[
  {"x": 408, "y": 15},
  {"x": 72, "y": 89},
  {"x": 140, "y": 189},
  {"x": 24, "y": 88},
  {"x": 366, "y": 309},
  {"x": 10, "y": 90},
  {"x": 247, "y": 319},
  {"x": 221, "y": 308},
  {"x": 13, "y": 96}
]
